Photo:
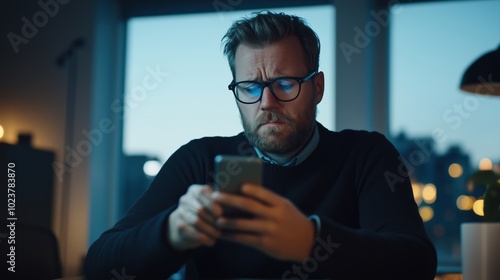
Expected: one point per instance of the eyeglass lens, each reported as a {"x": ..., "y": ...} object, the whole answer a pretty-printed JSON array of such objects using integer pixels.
[{"x": 284, "y": 89}]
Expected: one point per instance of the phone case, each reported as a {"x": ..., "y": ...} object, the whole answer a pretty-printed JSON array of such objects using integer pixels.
[{"x": 231, "y": 172}]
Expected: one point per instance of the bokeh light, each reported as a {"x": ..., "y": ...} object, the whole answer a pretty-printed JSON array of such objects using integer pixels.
[
  {"x": 1, "y": 132},
  {"x": 152, "y": 167},
  {"x": 485, "y": 164},
  {"x": 465, "y": 202},
  {"x": 417, "y": 192},
  {"x": 455, "y": 170},
  {"x": 426, "y": 213},
  {"x": 429, "y": 193},
  {"x": 478, "y": 207}
]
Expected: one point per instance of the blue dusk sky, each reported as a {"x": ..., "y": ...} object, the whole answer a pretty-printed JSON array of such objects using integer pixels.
[{"x": 431, "y": 46}]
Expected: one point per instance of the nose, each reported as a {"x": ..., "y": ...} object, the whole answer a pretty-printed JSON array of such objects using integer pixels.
[{"x": 268, "y": 101}]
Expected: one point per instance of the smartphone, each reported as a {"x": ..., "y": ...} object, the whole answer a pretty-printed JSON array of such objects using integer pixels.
[{"x": 231, "y": 171}]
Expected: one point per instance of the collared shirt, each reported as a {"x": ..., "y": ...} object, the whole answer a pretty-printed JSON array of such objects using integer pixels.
[{"x": 306, "y": 151}]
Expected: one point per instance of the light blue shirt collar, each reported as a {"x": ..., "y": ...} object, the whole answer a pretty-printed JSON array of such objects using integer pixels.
[{"x": 300, "y": 157}]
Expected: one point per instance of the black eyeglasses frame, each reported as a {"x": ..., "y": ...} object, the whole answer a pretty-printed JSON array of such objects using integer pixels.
[{"x": 232, "y": 87}]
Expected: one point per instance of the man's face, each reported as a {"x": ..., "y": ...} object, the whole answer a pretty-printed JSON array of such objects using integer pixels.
[{"x": 271, "y": 125}]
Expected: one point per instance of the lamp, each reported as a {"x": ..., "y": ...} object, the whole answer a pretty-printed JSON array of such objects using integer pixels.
[
  {"x": 483, "y": 75},
  {"x": 480, "y": 261}
]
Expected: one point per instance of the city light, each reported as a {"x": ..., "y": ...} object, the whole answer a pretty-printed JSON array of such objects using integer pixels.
[
  {"x": 152, "y": 167},
  {"x": 429, "y": 193},
  {"x": 426, "y": 213},
  {"x": 465, "y": 202},
  {"x": 485, "y": 164},
  {"x": 455, "y": 170},
  {"x": 1, "y": 132},
  {"x": 417, "y": 192},
  {"x": 478, "y": 207}
]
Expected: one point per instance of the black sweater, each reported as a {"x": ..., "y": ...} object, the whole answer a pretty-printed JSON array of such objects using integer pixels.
[{"x": 354, "y": 181}]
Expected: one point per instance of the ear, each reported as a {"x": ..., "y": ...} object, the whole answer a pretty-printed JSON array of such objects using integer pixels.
[{"x": 319, "y": 86}]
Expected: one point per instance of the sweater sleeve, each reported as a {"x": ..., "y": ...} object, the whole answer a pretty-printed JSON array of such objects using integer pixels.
[
  {"x": 391, "y": 242},
  {"x": 137, "y": 245}
]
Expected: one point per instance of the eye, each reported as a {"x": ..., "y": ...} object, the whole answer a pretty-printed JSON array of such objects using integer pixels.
[
  {"x": 284, "y": 85},
  {"x": 248, "y": 88}
]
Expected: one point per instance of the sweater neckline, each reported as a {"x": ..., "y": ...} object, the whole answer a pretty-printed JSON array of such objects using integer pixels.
[{"x": 310, "y": 162}]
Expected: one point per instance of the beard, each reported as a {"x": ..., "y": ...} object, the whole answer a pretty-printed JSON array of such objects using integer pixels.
[{"x": 280, "y": 140}]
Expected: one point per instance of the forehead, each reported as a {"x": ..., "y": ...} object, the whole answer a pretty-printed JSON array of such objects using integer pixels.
[{"x": 285, "y": 57}]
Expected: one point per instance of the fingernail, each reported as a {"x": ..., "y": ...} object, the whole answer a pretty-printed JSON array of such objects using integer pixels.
[
  {"x": 245, "y": 188},
  {"x": 214, "y": 195},
  {"x": 220, "y": 221}
]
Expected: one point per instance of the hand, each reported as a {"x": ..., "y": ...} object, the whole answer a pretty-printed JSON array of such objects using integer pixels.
[
  {"x": 191, "y": 224},
  {"x": 279, "y": 229}
]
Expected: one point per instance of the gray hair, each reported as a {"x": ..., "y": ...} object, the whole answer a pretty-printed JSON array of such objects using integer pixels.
[{"x": 266, "y": 27}]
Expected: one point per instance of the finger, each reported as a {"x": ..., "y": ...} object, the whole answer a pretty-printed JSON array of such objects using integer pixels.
[
  {"x": 196, "y": 215},
  {"x": 198, "y": 210},
  {"x": 207, "y": 229},
  {"x": 202, "y": 194},
  {"x": 250, "y": 239},
  {"x": 256, "y": 226},
  {"x": 243, "y": 203},
  {"x": 192, "y": 235},
  {"x": 194, "y": 189},
  {"x": 191, "y": 202},
  {"x": 260, "y": 193},
  {"x": 199, "y": 224},
  {"x": 207, "y": 224},
  {"x": 205, "y": 198},
  {"x": 205, "y": 215}
]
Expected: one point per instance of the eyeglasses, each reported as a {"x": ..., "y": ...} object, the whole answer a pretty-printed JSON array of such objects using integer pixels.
[{"x": 285, "y": 89}]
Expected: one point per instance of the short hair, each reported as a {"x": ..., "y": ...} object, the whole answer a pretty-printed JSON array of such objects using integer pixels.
[{"x": 264, "y": 28}]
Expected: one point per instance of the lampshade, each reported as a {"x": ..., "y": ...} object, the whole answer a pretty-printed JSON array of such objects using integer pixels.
[{"x": 483, "y": 75}]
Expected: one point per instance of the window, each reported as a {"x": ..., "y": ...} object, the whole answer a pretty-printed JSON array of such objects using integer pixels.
[
  {"x": 176, "y": 81},
  {"x": 442, "y": 132},
  {"x": 177, "y": 77}
]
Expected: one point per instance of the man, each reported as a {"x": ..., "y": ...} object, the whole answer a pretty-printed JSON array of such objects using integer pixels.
[{"x": 329, "y": 205}]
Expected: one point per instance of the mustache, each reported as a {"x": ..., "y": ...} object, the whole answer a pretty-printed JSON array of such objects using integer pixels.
[{"x": 272, "y": 117}]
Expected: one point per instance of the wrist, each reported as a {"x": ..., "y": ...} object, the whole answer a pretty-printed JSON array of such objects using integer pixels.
[
  {"x": 308, "y": 241},
  {"x": 172, "y": 233},
  {"x": 315, "y": 223}
]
